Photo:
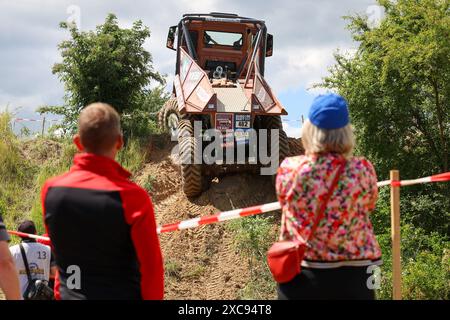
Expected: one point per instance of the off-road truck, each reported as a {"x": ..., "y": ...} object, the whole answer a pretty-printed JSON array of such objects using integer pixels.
[{"x": 219, "y": 81}]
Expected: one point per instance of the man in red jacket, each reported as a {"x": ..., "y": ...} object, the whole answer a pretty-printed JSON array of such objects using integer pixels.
[{"x": 101, "y": 225}]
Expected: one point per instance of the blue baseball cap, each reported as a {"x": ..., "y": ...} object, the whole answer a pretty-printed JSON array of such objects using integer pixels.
[{"x": 329, "y": 111}]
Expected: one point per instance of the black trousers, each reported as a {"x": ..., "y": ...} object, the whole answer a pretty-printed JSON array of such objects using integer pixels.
[{"x": 344, "y": 283}]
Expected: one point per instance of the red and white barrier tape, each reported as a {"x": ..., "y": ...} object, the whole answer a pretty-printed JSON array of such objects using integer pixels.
[
  {"x": 26, "y": 120},
  {"x": 34, "y": 120},
  {"x": 27, "y": 235},
  {"x": 403, "y": 183},
  {"x": 255, "y": 210},
  {"x": 219, "y": 217},
  {"x": 234, "y": 214}
]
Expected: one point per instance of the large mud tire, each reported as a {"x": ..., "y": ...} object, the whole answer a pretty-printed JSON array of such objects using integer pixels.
[
  {"x": 282, "y": 144},
  {"x": 274, "y": 122},
  {"x": 169, "y": 116},
  {"x": 191, "y": 168}
]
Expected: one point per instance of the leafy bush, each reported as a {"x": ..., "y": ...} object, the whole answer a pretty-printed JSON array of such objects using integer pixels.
[
  {"x": 428, "y": 277},
  {"x": 142, "y": 121},
  {"x": 425, "y": 265},
  {"x": 253, "y": 236},
  {"x": 427, "y": 207}
]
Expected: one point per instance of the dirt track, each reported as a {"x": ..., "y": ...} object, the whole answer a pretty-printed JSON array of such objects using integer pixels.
[{"x": 202, "y": 263}]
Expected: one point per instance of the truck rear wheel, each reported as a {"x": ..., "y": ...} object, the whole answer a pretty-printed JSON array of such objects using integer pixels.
[
  {"x": 191, "y": 168},
  {"x": 274, "y": 122},
  {"x": 169, "y": 116}
]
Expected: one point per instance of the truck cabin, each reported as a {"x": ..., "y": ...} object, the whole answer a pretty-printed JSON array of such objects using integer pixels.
[{"x": 223, "y": 45}]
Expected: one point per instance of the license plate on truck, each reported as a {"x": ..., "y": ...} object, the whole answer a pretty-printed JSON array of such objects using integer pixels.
[
  {"x": 242, "y": 121},
  {"x": 242, "y": 125}
]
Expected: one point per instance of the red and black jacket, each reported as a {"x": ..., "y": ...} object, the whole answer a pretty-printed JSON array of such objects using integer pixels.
[{"x": 101, "y": 222}]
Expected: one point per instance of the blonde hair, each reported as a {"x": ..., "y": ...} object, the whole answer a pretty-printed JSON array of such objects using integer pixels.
[{"x": 318, "y": 141}]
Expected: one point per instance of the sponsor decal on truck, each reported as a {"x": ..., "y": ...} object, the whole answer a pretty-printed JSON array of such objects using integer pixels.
[{"x": 224, "y": 121}]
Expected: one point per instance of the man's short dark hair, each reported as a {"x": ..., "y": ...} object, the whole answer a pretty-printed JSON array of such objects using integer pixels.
[
  {"x": 98, "y": 127},
  {"x": 27, "y": 226}
]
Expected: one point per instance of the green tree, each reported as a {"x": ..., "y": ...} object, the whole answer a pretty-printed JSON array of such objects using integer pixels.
[
  {"x": 110, "y": 65},
  {"x": 398, "y": 86}
]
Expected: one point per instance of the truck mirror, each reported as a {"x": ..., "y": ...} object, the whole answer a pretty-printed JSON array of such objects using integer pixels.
[
  {"x": 269, "y": 45},
  {"x": 171, "y": 38}
]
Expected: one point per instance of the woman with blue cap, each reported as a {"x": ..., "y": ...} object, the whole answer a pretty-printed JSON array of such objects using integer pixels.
[{"x": 326, "y": 197}]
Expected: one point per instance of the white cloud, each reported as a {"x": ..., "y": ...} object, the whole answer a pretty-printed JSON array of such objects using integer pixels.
[
  {"x": 291, "y": 130},
  {"x": 198, "y": 6},
  {"x": 22, "y": 104},
  {"x": 295, "y": 67}
]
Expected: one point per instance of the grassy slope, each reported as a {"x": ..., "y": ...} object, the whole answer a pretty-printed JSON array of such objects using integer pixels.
[{"x": 27, "y": 163}]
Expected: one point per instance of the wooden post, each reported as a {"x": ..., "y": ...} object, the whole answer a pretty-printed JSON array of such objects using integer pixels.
[
  {"x": 43, "y": 127},
  {"x": 395, "y": 235}
]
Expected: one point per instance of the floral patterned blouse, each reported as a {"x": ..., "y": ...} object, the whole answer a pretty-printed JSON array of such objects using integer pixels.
[{"x": 345, "y": 234}]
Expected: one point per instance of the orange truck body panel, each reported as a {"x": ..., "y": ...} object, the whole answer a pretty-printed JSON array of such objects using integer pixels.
[{"x": 194, "y": 89}]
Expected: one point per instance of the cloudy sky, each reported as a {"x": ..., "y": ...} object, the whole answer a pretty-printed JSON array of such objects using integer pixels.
[{"x": 306, "y": 33}]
